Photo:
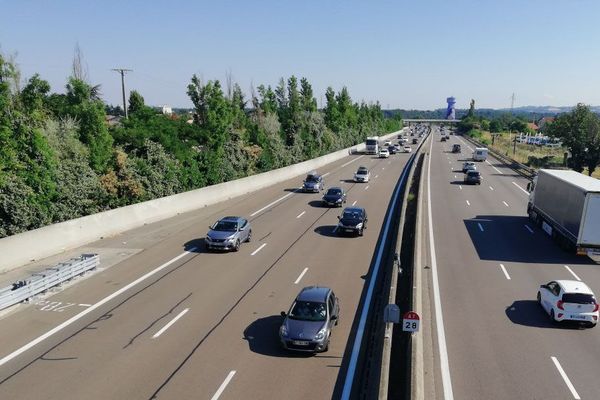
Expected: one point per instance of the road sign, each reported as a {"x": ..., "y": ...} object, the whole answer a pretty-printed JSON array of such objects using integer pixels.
[{"x": 410, "y": 321}]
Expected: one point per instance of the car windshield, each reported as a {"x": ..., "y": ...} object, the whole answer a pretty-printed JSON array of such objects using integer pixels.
[
  {"x": 351, "y": 215},
  {"x": 312, "y": 178},
  {"x": 578, "y": 298},
  {"x": 473, "y": 173},
  {"x": 371, "y": 142},
  {"x": 362, "y": 171},
  {"x": 227, "y": 226},
  {"x": 308, "y": 311},
  {"x": 334, "y": 191}
]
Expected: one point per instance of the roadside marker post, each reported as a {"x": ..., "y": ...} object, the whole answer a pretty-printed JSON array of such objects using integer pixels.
[{"x": 411, "y": 322}]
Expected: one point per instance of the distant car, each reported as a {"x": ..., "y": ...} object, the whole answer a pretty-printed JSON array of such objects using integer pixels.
[
  {"x": 392, "y": 149},
  {"x": 569, "y": 300},
  {"x": 468, "y": 166},
  {"x": 313, "y": 183},
  {"x": 307, "y": 325},
  {"x": 334, "y": 196},
  {"x": 387, "y": 143},
  {"x": 456, "y": 148},
  {"x": 384, "y": 153},
  {"x": 403, "y": 141},
  {"x": 228, "y": 233},
  {"x": 443, "y": 138},
  {"x": 352, "y": 220},
  {"x": 362, "y": 174},
  {"x": 415, "y": 141},
  {"x": 407, "y": 149},
  {"x": 472, "y": 178}
]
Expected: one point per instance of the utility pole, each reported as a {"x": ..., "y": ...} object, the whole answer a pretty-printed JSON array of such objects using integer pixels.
[
  {"x": 512, "y": 102},
  {"x": 122, "y": 71}
]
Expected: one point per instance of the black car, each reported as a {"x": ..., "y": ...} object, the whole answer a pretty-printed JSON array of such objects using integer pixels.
[
  {"x": 415, "y": 141},
  {"x": 313, "y": 183},
  {"x": 334, "y": 196},
  {"x": 392, "y": 149},
  {"x": 443, "y": 138},
  {"x": 473, "y": 178},
  {"x": 352, "y": 220},
  {"x": 456, "y": 148}
]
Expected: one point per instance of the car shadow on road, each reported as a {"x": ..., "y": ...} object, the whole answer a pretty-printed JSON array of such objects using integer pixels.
[
  {"x": 530, "y": 313},
  {"x": 299, "y": 190},
  {"x": 457, "y": 182},
  {"x": 262, "y": 336},
  {"x": 317, "y": 204},
  {"x": 507, "y": 238},
  {"x": 197, "y": 245},
  {"x": 327, "y": 230}
]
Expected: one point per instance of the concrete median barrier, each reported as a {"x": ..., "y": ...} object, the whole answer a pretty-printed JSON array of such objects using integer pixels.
[{"x": 20, "y": 249}]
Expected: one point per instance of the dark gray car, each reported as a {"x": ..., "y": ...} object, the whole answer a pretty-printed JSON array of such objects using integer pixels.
[
  {"x": 335, "y": 196},
  {"x": 313, "y": 183},
  {"x": 228, "y": 233},
  {"x": 352, "y": 220},
  {"x": 307, "y": 326}
]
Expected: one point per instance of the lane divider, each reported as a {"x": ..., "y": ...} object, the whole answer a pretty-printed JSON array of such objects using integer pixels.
[
  {"x": 301, "y": 214},
  {"x": 505, "y": 272},
  {"x": 259, "y": 249},
  {"x": 562, "y": 373},
  {"x": 168, "y": 325},
  {"x": 573, "y": 273},
  {"x": 505, "y": 203},
  {"x": 301, "y": 275},
  {"x": 221, "y": 389},
  {"x": 523, "y": 190},
  {"x": 529, "y": 229}
]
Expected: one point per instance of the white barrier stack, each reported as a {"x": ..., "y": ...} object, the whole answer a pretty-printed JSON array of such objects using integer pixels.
[{"x": 20, "y": 249}]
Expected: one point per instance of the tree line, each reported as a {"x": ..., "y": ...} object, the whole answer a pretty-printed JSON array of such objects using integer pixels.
[{"x": 59, "y": 159}]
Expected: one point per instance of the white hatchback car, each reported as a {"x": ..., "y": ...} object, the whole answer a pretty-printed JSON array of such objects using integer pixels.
[
  {"x": 407, "y": 149},
  {"x": 384, "y": 153},
  {"x": 569, "y": 300}
]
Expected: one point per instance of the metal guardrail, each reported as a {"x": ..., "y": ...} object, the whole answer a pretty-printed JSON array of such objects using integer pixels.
[
  {"x": 519, "y": 168},
  {"x": 46, "y": 279}
]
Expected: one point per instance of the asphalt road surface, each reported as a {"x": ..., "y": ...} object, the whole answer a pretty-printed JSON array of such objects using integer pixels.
[
  {"x": 173, "y": 321},
  {"x": 499, "y": 342}
]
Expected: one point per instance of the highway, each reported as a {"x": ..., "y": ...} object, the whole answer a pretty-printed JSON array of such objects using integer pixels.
[
  {"x": 173, "y": 321},
  {"x": 489, "y": 263}
]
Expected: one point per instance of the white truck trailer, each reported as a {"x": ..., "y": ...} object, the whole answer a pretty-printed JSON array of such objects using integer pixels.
[{"x": 566, "y": 205}]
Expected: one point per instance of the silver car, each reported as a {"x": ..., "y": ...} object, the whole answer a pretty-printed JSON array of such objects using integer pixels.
[
  {"x": 228, "y": 233},
  {"x": 307, "y": 326}
]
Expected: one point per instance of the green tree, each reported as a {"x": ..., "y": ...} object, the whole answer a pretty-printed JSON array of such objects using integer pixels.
[
  {"x": 309, "y": 103},
  {"x": 136, "y": 102}
]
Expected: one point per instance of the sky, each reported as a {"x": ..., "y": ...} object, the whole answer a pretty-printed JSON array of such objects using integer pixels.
[{"x": 404, "y": 54}]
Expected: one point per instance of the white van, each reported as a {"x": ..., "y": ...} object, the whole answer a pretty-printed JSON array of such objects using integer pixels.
[{"x": 480, "y": 154}]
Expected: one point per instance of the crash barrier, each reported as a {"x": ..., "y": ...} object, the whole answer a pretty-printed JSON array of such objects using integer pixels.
[
  {"x": 16, "y": 250},
  {"x": 519, "y": 168},
  {"x": 42, "y": 281}
]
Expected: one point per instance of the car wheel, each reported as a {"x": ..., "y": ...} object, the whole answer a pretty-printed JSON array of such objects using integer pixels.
[
  {"x": 237, "y": 245},
  {"x": 249, "y": 236},
  {"x": 360, "y": 232},
  {"x": 592, "y": 325},
  {"x": 539, "y": 298},
  {"x": 552, "y": 316},
  {"x": 326, "y": 347}
]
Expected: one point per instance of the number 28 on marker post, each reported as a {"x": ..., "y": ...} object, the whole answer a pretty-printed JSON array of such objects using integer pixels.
[{"x": 410, "y": 322}]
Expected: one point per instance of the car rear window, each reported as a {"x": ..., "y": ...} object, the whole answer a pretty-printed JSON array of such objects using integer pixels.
[{"x": 578, "y": 298}]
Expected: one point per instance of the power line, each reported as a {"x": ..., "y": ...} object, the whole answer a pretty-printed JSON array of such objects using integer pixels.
[{"x": 122, "y": 71}]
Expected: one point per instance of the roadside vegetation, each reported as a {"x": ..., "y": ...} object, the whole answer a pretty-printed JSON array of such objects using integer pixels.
[
  {"x": 60, "y": 159},
  {"x": 578, "y": 130}
]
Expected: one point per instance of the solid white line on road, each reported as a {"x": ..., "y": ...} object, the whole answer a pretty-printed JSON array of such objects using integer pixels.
[
  {"x": 171, "y": 322},
  {"x": 301, "y": 275},
  {"x": 565, "y": 378},
  {"x": 439, "y": 319},
  {"x": 497, "y": 170},
  {"x": 223, "y": 386},
  {"x": 366, "y": 187},
  {"x": 354, "y": 202},
  {"x": 505, "y": 203},
  {"x": 528, "y": 228},
  {"x": 301, "y": 214},
  {"x": 85, "y": 312},
  {"x": 525, "y": 191},
  {"x": 84, "y": 305},
  {"x": 480, "y": 226},
  {"x": 351, "y": 161},
  {"x": 468, "y": 202},
  {"x": 273, "y": 203},
  {"x": 505, "y": 272},
  {"x": 259, "y": 249},
  {"x": 572, "y": 273},
  {"x": 491, "y": 188}
]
